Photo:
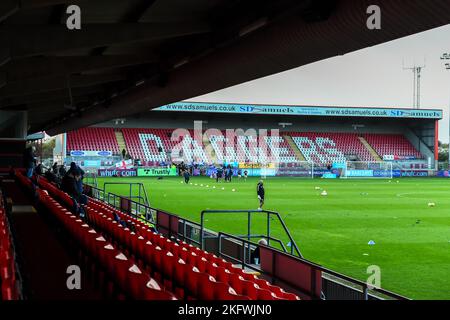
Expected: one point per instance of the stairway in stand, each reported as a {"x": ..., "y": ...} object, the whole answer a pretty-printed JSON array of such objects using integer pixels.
[
  {"x": 294, "y": 148},
  {"x": 209, "y": 150},
  {"x": 120, "y": 141},
  {"x": 372, "y": 151}
]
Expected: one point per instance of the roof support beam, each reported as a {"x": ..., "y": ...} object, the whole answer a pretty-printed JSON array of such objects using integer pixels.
[
  {"x": 59, "y": 94},
  {"x": 8, "y": 8},
  {"x": 39, "y": 67},
  {"x": 131, "y": 16},
  {"x": 5, "y": 55},
  {"x": 51, "y": 84},
  {"x": 30, "y": 4},
  {"x": 292, "y": 43},
  {"x": 2, "y": 79},
  {"x": 30, "y": 40}
]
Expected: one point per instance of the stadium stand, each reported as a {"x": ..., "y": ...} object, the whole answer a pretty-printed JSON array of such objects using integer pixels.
[
  {"x": 8, "y": 279},
  {"x": 153, "y": 146},
  {"x": 322, "y": 148},
  {"x": 92, "y": 139},
  {"x": 145, "y": 144},
  {"x": 141, "y": 264},
  {"x": 392, "y": 144}
]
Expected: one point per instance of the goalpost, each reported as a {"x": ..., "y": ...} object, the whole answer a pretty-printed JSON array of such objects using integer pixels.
[
  {"x": 300, "y": 169},
  {"x": 367, "y": 169},
  {"x": 263, "y": 170},
  {"x": 305, "y": 169}
]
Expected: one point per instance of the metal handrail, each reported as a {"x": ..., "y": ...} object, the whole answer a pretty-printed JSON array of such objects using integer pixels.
[
  {"x": 111, "y": 199},
  {"x": 221, "y": 235},
  {"x": 131, "y": 184},
  {"x": 249, "y": 212},
  {"x": 363, "y": 284}
]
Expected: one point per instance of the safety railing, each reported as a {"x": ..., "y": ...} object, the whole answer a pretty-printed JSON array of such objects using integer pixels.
[
  {"x": 195, "y": 233},
  {"x": 141, "y": 192},
  {"x": 294, "y": 250},
  {"x": 355, "y": 288}
]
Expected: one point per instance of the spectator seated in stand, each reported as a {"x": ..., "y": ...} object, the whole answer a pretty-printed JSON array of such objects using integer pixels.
[
  {"x": 51, "y": 176},
  {"x": 69, "y": 184},
  {"x": 62, "y": 171},
  {"x": 39, "y": 170},
  {"x": 255, "y": 255}
]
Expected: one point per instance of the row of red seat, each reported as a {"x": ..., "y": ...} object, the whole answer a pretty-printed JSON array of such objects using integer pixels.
[
  {"x": 150, "y": 249},
  {"x": 187, "y": 278},
  {"x": 169, "y": 261},
  {"x": 148, "y": 254},
  {"x": 8, "y": 280},
  {"x": 93, "y": 139},
  {"x": 115, "y": 271},
  {"x": 320, "y": 147}
]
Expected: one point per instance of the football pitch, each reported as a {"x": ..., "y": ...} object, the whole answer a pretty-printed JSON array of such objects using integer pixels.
[{"x": 412, "y": 239}]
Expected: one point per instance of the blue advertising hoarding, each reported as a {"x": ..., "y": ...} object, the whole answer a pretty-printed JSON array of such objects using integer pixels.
[{"x": 302, "y": 110}]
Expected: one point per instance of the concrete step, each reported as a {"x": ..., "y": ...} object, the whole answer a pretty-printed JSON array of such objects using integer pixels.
[
  {"x": 294, "y": 147},
  {"x": 372, "y": 151}
]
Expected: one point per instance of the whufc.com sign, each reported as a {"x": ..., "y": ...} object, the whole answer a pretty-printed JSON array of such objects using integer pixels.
[{"x": 117, "y": 173}]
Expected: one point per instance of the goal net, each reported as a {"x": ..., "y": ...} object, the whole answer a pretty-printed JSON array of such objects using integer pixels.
[{"x": 363, "y": 169}]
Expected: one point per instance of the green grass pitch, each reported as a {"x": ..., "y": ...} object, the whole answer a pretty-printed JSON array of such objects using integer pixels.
[{"x": 412, "y": 240}]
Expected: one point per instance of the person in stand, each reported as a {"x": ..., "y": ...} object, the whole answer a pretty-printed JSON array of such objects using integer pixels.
[
  {"x": 124, "y": 153},
  {"x": 55, "y": 168},
  {"x": 255, "y": 255},
  {"x": 29, "y": 160},
  {"x": 69, "y": 184},
  {"x": 39, "y": 170},
  {"x": 260, "y": 193},
  {"x": 52, "y": 177},
  {"x": 62, "y": 171},
  {"x": 74, "y": 167}
]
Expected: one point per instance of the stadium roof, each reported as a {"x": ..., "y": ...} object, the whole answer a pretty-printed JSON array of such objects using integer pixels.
[
  {"x": 291, "y": 110},
  {"x": 131, "y": 56}
]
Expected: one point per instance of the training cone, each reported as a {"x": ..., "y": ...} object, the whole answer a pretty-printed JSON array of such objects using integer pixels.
[
  {"x": 324, "y": 193},
  {"x": 431, "y": 204}
]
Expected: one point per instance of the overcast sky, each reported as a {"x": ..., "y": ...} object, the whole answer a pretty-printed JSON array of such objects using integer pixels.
[{"x": 370, "y": 77}]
